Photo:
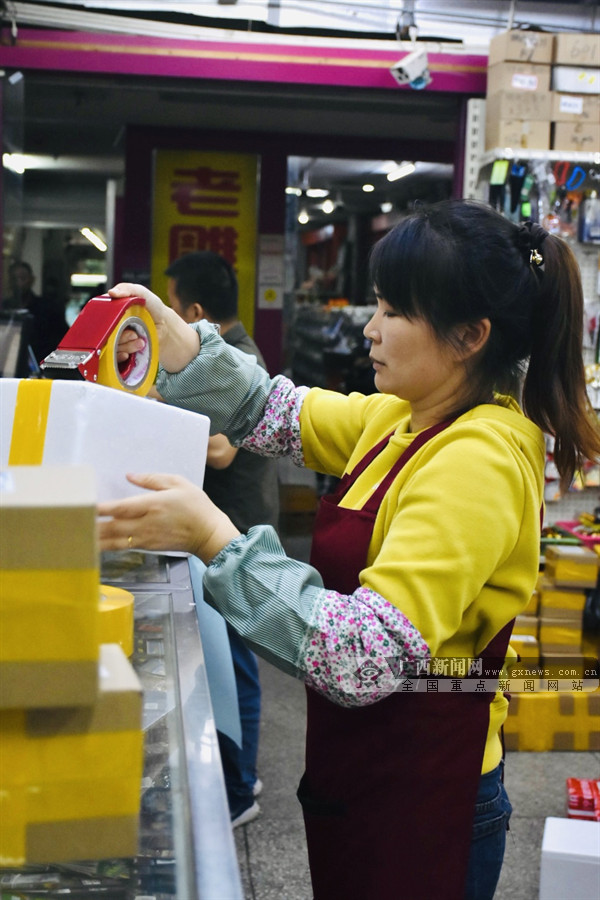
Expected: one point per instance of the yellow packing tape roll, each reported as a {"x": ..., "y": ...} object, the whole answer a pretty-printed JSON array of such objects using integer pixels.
[
  {"x": 137, "y": 375},
  {"x": 29, "y": 423},
  {"x": 116, "y": 617}
]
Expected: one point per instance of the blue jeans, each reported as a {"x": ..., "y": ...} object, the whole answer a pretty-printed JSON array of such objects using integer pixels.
[
  {"x": 239, "y": 764},
  {"x": 492, "y": 813}
]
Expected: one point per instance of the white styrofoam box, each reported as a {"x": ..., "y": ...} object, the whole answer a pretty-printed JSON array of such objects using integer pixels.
[
  {"x": 570, "y": 860},
  {"x": 113, "y": 431}
]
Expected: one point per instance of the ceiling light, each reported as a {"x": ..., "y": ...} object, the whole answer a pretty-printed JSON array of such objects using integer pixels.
[
  {"x": 328, "y": 206},
  {"x": 16, "y": 162},
  {"x": 94, "y": 239},
  {"x": 87, "y": 279},
  {"x": 386, "y": 207},
  {"x": 401, "y": 171},
  {"x": 368, "y": 188},
  {"x": 303, "y": 217},
  {"x": 317, "y": 192},
  {"x": 294, "y": 190}
]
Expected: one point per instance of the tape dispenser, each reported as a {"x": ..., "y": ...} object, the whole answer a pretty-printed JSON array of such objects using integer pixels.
[{"x": 90, "y": 345}]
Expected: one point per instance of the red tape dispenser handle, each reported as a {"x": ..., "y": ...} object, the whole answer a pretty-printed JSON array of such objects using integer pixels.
[{"x": 90, "y": 345}]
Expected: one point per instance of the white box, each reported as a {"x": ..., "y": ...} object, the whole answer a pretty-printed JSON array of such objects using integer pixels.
[
  {"x": 113, "y": 431},
  {"x": 575, "y": 80},
  {"x": 570, "y": 860}
]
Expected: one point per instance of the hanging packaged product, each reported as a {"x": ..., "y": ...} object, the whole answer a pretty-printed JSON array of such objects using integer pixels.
[{"x": 589, "y": 219}]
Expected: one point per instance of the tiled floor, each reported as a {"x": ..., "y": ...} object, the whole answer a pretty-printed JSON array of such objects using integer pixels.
[{"x": 271, "y": 850}]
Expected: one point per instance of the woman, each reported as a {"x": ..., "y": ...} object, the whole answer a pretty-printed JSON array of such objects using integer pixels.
[{"x": 428, "y": 550}]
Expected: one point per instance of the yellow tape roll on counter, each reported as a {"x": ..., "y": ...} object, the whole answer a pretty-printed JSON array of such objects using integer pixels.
[
  {"x": 137, "y": 374},
  {"x": 116, "y": 617}
]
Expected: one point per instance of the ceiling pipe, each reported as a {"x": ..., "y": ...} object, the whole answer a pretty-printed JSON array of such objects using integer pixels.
[{"x": 511, "y": 15}]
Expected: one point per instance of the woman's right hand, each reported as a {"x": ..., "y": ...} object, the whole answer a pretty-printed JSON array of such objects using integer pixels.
[
  {"x": 178, "y": 344},
  {"x": 154, "y": 304}
]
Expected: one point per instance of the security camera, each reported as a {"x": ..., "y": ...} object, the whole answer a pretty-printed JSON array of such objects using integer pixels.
[{"x": 413, "y": 69}]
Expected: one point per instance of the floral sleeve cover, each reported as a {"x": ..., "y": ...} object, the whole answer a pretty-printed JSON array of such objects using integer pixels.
[
  {"x": 351, "y": 648},
  {"x": 278, "y": 432}
]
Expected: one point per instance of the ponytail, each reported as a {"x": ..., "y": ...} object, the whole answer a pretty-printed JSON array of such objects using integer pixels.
[
  {"x": 554, "y": 392},
  {"x": 459, "y": 261}
]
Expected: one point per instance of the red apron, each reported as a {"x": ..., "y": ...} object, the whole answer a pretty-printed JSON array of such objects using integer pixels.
[{"x": 389, "y": 790}]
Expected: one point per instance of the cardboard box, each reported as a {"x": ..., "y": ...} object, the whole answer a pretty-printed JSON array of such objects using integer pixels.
[
  {"x": 70, "y": 781},
  {"x": 576, "y": 50},
  {"x": 547, "y": 720},
  {"x": 570, "y": 865},
  {"x": 571, "y": 566},
  {"x": 521, "y": 46},
  {"x": 558, "y": 602},
  {"x": 575, "y": 108},
  {"x": 575, "y": 80},
  {"x": 49, "y": 617},
  {"x": 576, "y": 136},
  {"x": 516, "y": 133},
  {"x": 560, "y": 635},
  {"x": 528, "y": 649},
  {"x": 532, "y": 607},
  {"x": 515, "y": 76},
  {"x": 535, "y": 105},
  {"x": 526, "y": 625}
]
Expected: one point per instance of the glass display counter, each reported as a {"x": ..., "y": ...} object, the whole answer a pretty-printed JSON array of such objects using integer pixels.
[{"x": 186, "y": 845}]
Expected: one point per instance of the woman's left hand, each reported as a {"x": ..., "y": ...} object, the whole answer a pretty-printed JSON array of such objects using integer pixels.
[{"x": 174, "y": 515}]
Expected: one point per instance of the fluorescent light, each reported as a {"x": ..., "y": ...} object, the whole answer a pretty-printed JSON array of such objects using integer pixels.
[
  {"x": 94, "y": 239},
  {"x": 294, "y": 190},
  {"x": 317, "y": 192},
  {"x": 368, "y": 188},
  {"x": 401, "y": 171},
  {"x": 16, "y": 162},
  {"x": 87, "y": 279}
]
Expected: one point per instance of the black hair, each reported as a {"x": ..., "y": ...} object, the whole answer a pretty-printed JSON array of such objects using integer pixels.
[
  {"x": 457, "y": 262},
  {"x": 20, "y": 264},
  {"x": 206, "y": 278}
]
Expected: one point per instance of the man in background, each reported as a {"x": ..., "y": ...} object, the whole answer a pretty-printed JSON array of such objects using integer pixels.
[
  {"x": 48, "y": 323},
  {"x": 202, "y": 285}
]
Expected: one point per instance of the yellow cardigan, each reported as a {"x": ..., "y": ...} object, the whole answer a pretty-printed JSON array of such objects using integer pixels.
[{"x": 456, "y": 542}]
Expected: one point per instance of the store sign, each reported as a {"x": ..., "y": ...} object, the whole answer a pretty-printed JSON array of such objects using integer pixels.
[{"x": 206, "y": 201}]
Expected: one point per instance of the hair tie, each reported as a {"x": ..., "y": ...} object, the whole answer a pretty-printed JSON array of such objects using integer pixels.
[{"x": 530, "y": 237}]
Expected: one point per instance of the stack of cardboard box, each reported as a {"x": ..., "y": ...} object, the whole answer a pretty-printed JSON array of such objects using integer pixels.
[
  {"x": 543, "y": 92},
  {"x": 558, "y": 713},
  {"x": 576, "y": 93},
  {"x": 71, "y": 742},
  {"x": 519, "y": 101},
  {"x": 569, "y": 572}
]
